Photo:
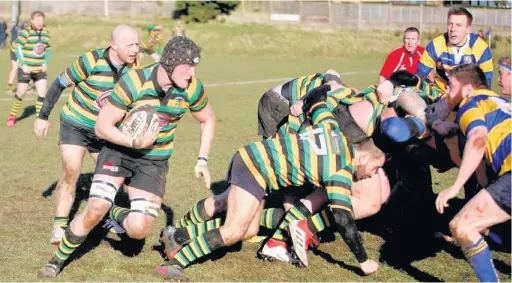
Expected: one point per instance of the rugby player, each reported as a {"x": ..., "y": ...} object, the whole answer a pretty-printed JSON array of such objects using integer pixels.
[
  {"x": 457, "y": 46},
  {"x": 141, "y": 164},
  {"x": 32, "y": 50},
  {"x": 484, "y": 118},
  {"x": 504, "y": 76},
  {"x": 93, "y": 76},
  {"x": 152, "y": 44},
  {"x": 317, "y": 154}
]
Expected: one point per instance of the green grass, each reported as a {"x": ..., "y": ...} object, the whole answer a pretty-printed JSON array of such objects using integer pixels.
[{"x": 29, "y": 165}]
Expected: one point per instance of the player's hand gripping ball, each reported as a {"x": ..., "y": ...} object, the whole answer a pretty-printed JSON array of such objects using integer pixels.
[{"x": 141, "y": 123}]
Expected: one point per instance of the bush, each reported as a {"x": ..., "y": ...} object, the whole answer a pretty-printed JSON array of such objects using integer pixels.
[{"x": 202, "y": 11}]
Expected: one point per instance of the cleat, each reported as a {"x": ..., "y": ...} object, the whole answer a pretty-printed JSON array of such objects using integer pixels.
[
  {"x": 170, "y": 244},
  {"x": 301, "y": 238},
  {"x": 113, "y": 227},
  {"x": 48, "y": 271},
  {"x": 56, "y": 235},
  {"x": 11, "y": 121},
  {"x": 172, "y": 272},
  {"x": 275, "y": 250}
]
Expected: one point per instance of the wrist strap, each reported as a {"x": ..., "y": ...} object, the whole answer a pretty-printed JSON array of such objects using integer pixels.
[{"x": 203, "y": 158}]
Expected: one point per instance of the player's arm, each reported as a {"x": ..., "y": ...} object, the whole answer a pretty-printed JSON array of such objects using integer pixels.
[
  {"x": 75, "y": 73},
  {"x": 20, "y": 42},
  {"x": 48, "y": 50},
  {"x": 114, "y": 111},
  {"x": 472, "y": 125},
  {"x": 338, "y": 192},
  {"x": 428, "y": 62},
  {"x": 203, "y": 112}
]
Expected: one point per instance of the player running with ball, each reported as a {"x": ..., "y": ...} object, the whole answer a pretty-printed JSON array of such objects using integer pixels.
[{"x": 141, "y": 163}]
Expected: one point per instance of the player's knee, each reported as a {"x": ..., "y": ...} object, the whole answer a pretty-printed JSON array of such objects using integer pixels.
[
  {"x": 232, "y": 235},
  {"x": 69, "y": 175},
  {"x": 96, "y": 209},
  {"x": 458, "y": 229},
  {"x": 139, "y": 228}
]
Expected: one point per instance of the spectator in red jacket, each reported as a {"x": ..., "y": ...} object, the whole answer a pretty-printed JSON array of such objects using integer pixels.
[{"x": 405, "y": 57}]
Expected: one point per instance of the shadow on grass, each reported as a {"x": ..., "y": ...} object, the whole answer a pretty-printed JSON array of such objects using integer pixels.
[{"x": 27, "y": 112}]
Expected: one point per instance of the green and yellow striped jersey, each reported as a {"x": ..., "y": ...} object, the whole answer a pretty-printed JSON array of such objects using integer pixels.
[
  {"x": 318, "y": 154},
  {"x": 92, "y": 74},
  {"x": 152, "y": 40},
  {"x": 140, "y": 86},
  {"x": 32, "y": 48}
]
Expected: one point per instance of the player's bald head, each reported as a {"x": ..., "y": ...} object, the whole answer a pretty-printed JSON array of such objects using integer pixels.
[{"x": 122, "y": 31}]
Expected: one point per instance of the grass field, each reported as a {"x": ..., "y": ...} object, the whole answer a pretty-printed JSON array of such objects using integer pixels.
[{"x": 30, "y": 167}]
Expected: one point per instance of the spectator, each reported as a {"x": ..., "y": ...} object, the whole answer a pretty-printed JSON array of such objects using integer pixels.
[
  {"x": 405, "y": 57},
  {"x": 3, "y": 32}
]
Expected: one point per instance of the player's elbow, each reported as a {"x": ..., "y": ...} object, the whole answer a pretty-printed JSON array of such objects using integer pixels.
[
  {"x": 478, "y": 138},
  {"x": 99, "y": 129}
]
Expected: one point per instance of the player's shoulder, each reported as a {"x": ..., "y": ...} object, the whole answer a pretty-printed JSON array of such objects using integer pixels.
[
  {"x": 420, "y": 49},
  {"x": 397, "y": 51},
  {"x": 476, "y": 41},
  {"x": 195, "y": 86}
]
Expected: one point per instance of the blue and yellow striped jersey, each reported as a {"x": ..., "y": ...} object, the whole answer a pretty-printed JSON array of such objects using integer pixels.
[
  {"x": 318, "y": 154},
  {"x": 486, "y": 108},
  {"x": 443, "y": 57},
  {"x": 32, "y": 48},
  {"x": 92, "y": 74},
  {"x": 139, "y": 87}
]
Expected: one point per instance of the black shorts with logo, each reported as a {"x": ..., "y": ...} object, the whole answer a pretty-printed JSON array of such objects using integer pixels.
[
  {"x": 25, "y": 78},
  {"x": 143, "y": 174},
  {"x": 273, "y": 111},
  {"x": 71, "y": 133}
]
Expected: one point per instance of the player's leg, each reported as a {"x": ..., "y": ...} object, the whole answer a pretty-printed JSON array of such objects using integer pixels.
[
  {"x": 244, "y": 202},
  {"x": 71, "y": 158},
  {"x": 489, "y": 207},
  {"x": 12, "y": 73},
  {"x": 146, "y": 188},
  {"x": 101, "y": 197},
  {"x": 242, "y": 211},
  {"x": 21, "y": 89},
  {"x": 41, "y": 84},
  {"x": 204, "y": 209}
]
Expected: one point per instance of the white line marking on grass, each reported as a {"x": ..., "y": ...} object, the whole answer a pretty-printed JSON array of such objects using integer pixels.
[{"x": 216, "y": 84}]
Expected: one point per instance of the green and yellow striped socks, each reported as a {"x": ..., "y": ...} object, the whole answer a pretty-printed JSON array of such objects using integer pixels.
[
  {"x": 199, "y": 247},
  {"x": 195, "y": 215}
]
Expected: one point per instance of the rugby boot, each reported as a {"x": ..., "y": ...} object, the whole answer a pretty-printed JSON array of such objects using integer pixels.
[
  {"x": 302, "y": 238},
  {"x": 11, "y": 121},
  {"x": 275, "y": 250},
  {"x": 171, "y": 272},
  {"x": 167, "y": 238}
]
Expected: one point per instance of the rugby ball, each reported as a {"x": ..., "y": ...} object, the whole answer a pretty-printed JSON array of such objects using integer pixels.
[{"x": 140, "y": 120}]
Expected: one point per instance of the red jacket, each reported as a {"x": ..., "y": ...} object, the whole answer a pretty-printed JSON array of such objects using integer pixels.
[{"x": 400, "y": 59}]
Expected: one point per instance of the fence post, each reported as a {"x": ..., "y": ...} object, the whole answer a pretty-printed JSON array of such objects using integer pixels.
[
  {"x": 329, "y": 6},
  {"x": 390, "y": 15},
  {"x": 105, "y": 8},
  {"x": 359, "y": 12},
  {"x": 300, "y": 11},
  {"x": 421, "y": 17},
  {"x": 485, "y": 17}
]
